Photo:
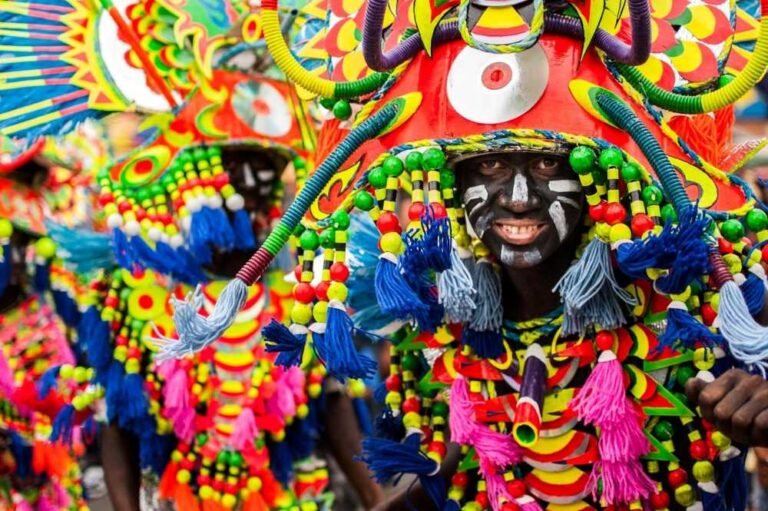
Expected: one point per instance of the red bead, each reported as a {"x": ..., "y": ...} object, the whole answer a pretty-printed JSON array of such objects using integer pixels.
[
  {"x": 274, "y": 213},
  {"x": 339, "y": 272},
  {"x": 482, "y": 499},
  {"x": 141, "y": 214},
  {"x": 415, "y": 211},
  {"x": 303, "y": 292},
  {"x": 133, "y": 353},
  {"x": 615, "y": 213},
  {"x": 699, "y": 450},
  {"x": 194, "y": 182},
  {"x": 411, "y": 405},
  {"x": 725, "y": 246},
  {"x": 708, "y": 314},
  {"x": 112, "y": 302},
  {"x": 438, "y": 447},
  {"x": 510, "y": 506},
  {"x": 218, "y": 485},
  {"x": 660, "y": 500},
  {"x": 597, "y": 212},
  {"x": 321, "y": 291},
  {"x": 604, "y": 340},
  {"x": 438, "y": 210},
  {"x": 388, "y": 222},
  {"x": 183, "y": 448},
  {"x": 764, "y": 252},
  {"x": 186, "y": 464},
  {"x": 460, "y": 479},
  {"x": 426, "y": 431},
  {"x": 124, "y": 206},
  {"x": 516, "y": 488},
  {"x": 105, "y": 198},
  {"x": 231, "y": 489},
  {"x": 677, "y": 478},
  {"x": 220, "y": 180},
  {"x": 297, "y": 272},
  {"x": 640, "y": 224},
  {"x": 393, "y": 383}
]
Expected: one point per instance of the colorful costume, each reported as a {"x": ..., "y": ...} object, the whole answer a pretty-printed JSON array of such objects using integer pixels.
[{"x": 582, "y": 408}]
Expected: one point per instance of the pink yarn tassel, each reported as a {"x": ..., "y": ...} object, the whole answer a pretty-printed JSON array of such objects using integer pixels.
[
  {"x": 496, "y": 487},
  {"x": 64, "y": 498},
  {"x": 245, "y": 430},
  {"x": 6, "y": 377},
  {"x": 22, "y": 504},
  {"x": 183, "y": 422},
  {"x": 528, "y": 503},
  {"x": 177, "y": 400},
  {"x": 282, "y": 402},
  {"x": 492, "y": 447},
  {"x": 623, "y": 482},
  {"x": 597, "y": 403},
  {"x": 295, "y": 379}
]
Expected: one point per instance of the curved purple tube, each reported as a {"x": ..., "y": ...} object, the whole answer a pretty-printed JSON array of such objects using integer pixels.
[{"x": 634, "y": 54}]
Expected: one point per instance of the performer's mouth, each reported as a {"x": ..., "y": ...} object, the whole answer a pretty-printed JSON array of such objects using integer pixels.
[{"x": 519, "y": 232}]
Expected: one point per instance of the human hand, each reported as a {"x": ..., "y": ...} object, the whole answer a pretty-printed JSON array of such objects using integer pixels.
[{"x": 736, "y": 403}]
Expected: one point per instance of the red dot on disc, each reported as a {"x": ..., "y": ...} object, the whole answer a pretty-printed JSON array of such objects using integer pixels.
[
  {"x": 497, "y": 75},
  {"x": 145, "y": 302},
  {"x": 261, "y": 107},
  {"x": 143, "y": 167}
]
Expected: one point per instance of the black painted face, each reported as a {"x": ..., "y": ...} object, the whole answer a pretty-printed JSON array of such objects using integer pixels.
[{"x": 522, "y": 205}]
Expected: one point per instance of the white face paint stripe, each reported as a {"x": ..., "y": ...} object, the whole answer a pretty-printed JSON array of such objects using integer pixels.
[
  {"x": 475, "y": 192},
  {"x": 568, "y": 201},
  {"x": 248, "y": 177},
  {"x": 564, "y": 185},
  {"x": 557, "y": 213},
  {"x": 520, "y": 189},
  {"x": 510, "y": 256}
]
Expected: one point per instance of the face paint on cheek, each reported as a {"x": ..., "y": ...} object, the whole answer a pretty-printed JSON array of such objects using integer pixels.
[
  {"x": 525, "y": 257},
  {"x": 557, "y": 213},
  {"x": 570, "y": 202},
  {"x": 564, "y": 186},
  {"x": 520, "y": 189},
  {"x": 477, "y": 194}
]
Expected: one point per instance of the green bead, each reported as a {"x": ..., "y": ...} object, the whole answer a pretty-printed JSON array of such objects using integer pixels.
[
  {"x": 440, "y": 409},
  {"x": 309, "y": 240},
  {"x": 447, "y": 179},
  {"x": 342, "y": 110},
  {"x": 142, "y": 194},
  {"x": 185, "y": 157},
  {"x": 582, "y": 159},
  {"x": 630, "y": 172},
  {"x": 410, "y": 362},
  {"x": 364, "y": 200},
  {"x": 299, "y": 163},
  {"x": 298, "y": 230},
  {"x": 413, "y": 161},
  {"x": 201, "y": 439},
  {"x": 328, "y": 238},
  {"x": 652, "y": 195},
  {"x": 433, "y": 159},
  {"x": 392, "y": 166},
  {"x": 611, "y": 157},
  {"x": 156, "y": 190},
  {"x": 732, "y": 230},
  {"x": 223, "y": 458},
  {"x": 668, "y": 214},
  {"x": 340, "y": 219},
  {"x": 214, "y": 151},
  {"x": 199, "y": 154},
  {"x": 663, "y": 430},
  {"x": 599, "y": 176},
  {"x": 757, "y": 220},
  {"x": 684, "y": 373},
  {"x": 377, "y": 178},
  {"x": 327, "y": 103},
  {"x": 236, "y": 459}
]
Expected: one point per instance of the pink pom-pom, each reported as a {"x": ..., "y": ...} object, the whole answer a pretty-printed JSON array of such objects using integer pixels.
[
  {"x": 6, "y": 377},
  {"x": 495, "y": 486},
  {"x": 596, "y": 403},
  {"x": 245, "y": 430},
  {"x": 176, "y": 396},
  {"x": 282, "y": 402},
  {"x": 528, "y": 503},
  {"x": 622, "y": 482}
]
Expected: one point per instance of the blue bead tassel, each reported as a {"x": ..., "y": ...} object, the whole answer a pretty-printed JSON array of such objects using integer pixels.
[
  {"x": 243, "y": 230},
  {"x": 287, "y": 342},
  {"x": 341, "y": 357},
  {"x": 6, "y": 265},
  {"x": 42, "y": 279},
  {"x": 753, "y": 289},
  {"x": 95, "y": 333},
  {"x": 63, "y": 425},
  {"x": 456, "y": 292},
  {"x": 394, "y": 295},
  {"x": 47, "y": 382},
  {"x": 483, "y": 333},
  {"x": 683, "y": 329}
]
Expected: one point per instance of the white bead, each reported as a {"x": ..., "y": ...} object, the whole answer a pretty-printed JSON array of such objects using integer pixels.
[
  {"x": 215, "y": 201},
  {"x": 114, "y": 221},
  {"x": 235, "y": 202},
  {"x": 155, "y": 234},
  {"x": 194, "y": 204},
  {"x": 186, "y": 223},
  {"x": 132, "y": 228},
  {"x": 176, "y": 241}
]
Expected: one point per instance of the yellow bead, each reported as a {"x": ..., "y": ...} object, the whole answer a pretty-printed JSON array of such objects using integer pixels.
[
  {"x": 619, "y": 232},
  {"x": 391, "y": 242},
  {"x": 301, "y": 313},
  {"x": 132, "y": 366},
  {"x": 703, "y": 359},
  {"x": 314, "y": 390},
  {"x": 654, "y": 273},
  {"x": 357, "y": 388},
  {"x": 337, "y": 291},
  {"x": 471, "y": 506},
  {"x": 79, "y": 403},
  {"x": 279, "y": 436},
  {"x": 320, "y": 312},
  {"x": 720, "y": 441},
  {"x": 412, "y": 420},
  {"x": 704, "y": 471},
  {"x": 227, "y": 190},
  {"x": 715, "y": 302},
  {"x": 197, "y": 389},
  {"x": 603, "y": 231},
  {"x": 206, "y": 492},
  {"x": 228, "y": 501},
  {"x": 733, "y": 262},
  {"x": 176, "y": 456},
  {"x": 253, "y": 393},
  {"x": 682, "y": 297},
  {"x": 80, "y": 374},
  {"x": 455, "y": 493},
  {"x": 435, "y": 457},
  {"x": 684, "y": 495},
  {"x": 254, "y": 484},
  {"x": 302, "y": 411},
  {"x": 183, "y": 476},
  {"x": 393, "y": 399},
  {"x": 66, "y": 371}
]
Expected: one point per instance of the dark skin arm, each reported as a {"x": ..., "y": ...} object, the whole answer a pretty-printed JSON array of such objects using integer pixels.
[
  {"x": 119, "y": 458},
  {"x": 344, "y": 442},
  {"x": 414, "y": 497},
  {"x": 736, "y": 403}
]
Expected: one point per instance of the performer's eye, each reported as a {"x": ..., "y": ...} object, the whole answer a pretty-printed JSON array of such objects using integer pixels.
[
  {"x": 491, "y": 166},
  {"x": 493, "y": 88}
]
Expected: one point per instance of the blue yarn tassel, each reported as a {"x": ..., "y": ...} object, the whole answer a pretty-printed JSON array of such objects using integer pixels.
[
  {"x": 753, "y": 290},
  {"x": 155, "y": 450},
  {"x": 392, "y": 292},
  {"x": 47, "y": 382},
  {"x": 94, "y": 332},
  {"x": 380, "y": 393},
  {"x": 733, "y": 483},
  {"x": 84, "y": 249},
  {"x": 200, "y": 235},
  {"x": 222, "y": 235},
  {"x": 437, "y": 241},
  {"x": 42, "y": 279},
  {"x": 113, "y": 387},
  {"x": 135, "y": 405},
  {"x": 389, "y": 425},
  {"x": 66, "y": 308},
  {"x": 684, "y": 329},
  {"x": 389, "y": 461},
  {"x": 280, "y": 461},
  {"x": 456, "y": 292},
  {"x": 747, "y": 340},
  {"x": 63, "y": 425},
  {"x": 432, "y": 317},
  {"x": 122, "y": 249},
  {"x": 195, "y": 331},
  {"x": 486, "y": 343},
  {"x": 188, "y": 269},
  {"x": 711, "y": 498},
  {"x": 590, "y": 292},
  {"x": 243, "y": 230},
  {"x": 6, "y": 265},
  {"x": 148, "y": 258},
  {"x": 341, "y": 357},
  {"x": 22, "y": 455},
  {"x": 451, "y": 505},
  {"x": 482, "y": 332},
  {"x": 282, "y": 340},
  {"x": 363, "y": 416},
  {"x": 301, "y": 439}
]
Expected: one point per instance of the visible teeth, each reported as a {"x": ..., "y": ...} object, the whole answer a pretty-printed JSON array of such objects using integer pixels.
[{"x": 518, "y": 229}]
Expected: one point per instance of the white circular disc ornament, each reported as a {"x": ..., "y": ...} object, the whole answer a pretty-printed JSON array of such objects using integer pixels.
[
  {"x": 262, "y": 107},
  {"x": 489, "y": 88}
]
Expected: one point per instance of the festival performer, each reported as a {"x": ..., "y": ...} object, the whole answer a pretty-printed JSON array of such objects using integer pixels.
[{"x": 577, "y": 249}]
